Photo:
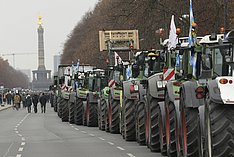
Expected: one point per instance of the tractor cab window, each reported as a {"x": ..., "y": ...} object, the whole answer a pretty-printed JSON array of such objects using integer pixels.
[{"x": 222, "y": 56}]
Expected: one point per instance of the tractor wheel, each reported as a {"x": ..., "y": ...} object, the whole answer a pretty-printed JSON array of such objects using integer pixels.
[
  {"x": 55, "y": 104},
  {"x": 92, "y": 117},
  {"x": 78, "y": 117},
  {"x": 71, "y": 106},
  {"x": 65, "y": 111},
  {"x": 162, "y": 133},
  {"x": 107, "y": 128},
  {"x": 114, "y": 116},
  {"x": 140, "y": 124},
  {"x": 188, "y": 141},
  {"x": 102, "y": 112},
  {"x": 154, "y": 142},
  {"x": 190, "y": 131},
  {"x": 60, "y": 103},
  {"x": 170, "y": 126},
  {"x": 219, "y": 129},
  {"x": 129, "y": 121},
  {"x": 84, "y": 114}
]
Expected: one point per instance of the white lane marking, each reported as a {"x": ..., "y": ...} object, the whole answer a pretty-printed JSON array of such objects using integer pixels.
[
  {"x": 84, "y": 132},
  {"x": 111, "y": 143},
  {"x": 15, "y": 129},
  {"x": 131, "y": 155},
  {"x": 17, "y": 132},
  {"x": 18, "y": 155},
  {"x": 77, "y": 129},
  {"x": 22, "y": 143},
  {"x": 120, "y": 148},
  {"x": 8, "y": 150},
  {"x": 72, "y": 126},
  {"x": 23, "y": 139},
  {"x": 91, "y": 134},
  {"x": 21, "y": 149},
  {"x": 19, "y": 135},
  {"x": 101, "y": 138}
]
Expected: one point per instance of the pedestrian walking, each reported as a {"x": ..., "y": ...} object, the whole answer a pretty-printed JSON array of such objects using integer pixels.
[
  {"x": 9, "y": 98},
  {"x": 35, "y": 100},
  {"x": 17, "y": 100},
  {"x": 23, "y": 97},
  {"x": 43, "y": 100},
  {"x": 28, "y": 102}
]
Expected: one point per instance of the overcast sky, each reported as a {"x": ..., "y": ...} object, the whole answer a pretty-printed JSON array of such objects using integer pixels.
[{"x": 18, "y": 27}]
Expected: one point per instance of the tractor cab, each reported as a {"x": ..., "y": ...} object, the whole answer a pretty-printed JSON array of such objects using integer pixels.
[{"x": 218, "y": 55}]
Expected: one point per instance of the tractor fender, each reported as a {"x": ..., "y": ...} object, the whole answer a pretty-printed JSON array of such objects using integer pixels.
[
  {"x": 189, "y": 93},
  {"x": 126, "y": 89},
  {"x": 152, "y": 85},
  {"x": 72, "y": 97},
  {"x": 202, "y": 122},
  {"x": 163, "y": 113},
  {"x": 169, "y": 90},
  {"x": 214, "y": 92},
  {"x": 177, "y": 109}
]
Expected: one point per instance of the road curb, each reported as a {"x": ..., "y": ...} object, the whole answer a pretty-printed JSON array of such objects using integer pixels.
[{"x": 5, "y": 107}]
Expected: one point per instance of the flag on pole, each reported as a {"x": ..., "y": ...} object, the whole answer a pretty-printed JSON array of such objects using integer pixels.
[
  {"x": 118, "y": 59},
  {"x": 191, "y": 38},
  {"x": 172, "y": 35},
  {"x": 77, "y": 65}
]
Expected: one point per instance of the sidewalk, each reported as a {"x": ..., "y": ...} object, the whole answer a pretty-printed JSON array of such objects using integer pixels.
[{"x": 5, "y": 107}]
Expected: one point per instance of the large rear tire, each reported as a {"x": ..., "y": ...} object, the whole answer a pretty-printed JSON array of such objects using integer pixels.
[
  {"x": 60, "y": 103},
  {"x": 102, "y": 112},
  {"x": 154, "y": 142},
  {"x": 170, "y": 126},
  {"x": 84, "y": 115},
  {"x": 219, "y": 129},
  {"x": 78, "y": 112},
  {"x": 114, "y": 116},
  {"x": 92, "y": 117},
  {"x": 55, "y": 104},
  {"x": 107, "y": 128},
  {"x": 71, "y": 106},
  {"x": 65, "y": 111},
  {"x": 129, "y": 121},
  {"x": 140, "y": 124},
  {"x": 162, "y": 133}
]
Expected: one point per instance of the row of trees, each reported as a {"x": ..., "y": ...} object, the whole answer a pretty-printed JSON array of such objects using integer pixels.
[
  {"x": 10, "y": 78},
  {"x": 147, "y": 16}
]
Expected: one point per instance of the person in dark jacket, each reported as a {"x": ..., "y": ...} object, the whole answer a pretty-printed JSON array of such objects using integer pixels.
[
  {"x": 43, "y": 100},
  {"x": 28, "y": 102},
  {"x": 35, "y": 100}
]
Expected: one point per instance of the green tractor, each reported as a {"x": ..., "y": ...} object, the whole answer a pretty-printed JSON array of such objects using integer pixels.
[
  {"x": 55, "y": 92},
  {"x": 95, "y": 81},
  {"x": 114, "y": 42},
  {"x": 135, "y": 108},
  {"x": 64, "y": 76}
]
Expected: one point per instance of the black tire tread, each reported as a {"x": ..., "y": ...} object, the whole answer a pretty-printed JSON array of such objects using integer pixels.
[
  {"x": 78, "y": 117},
  {"x": 129, "y": 119},
  {"x": 222, "y": 129},
  {"x": 114, "y": 126}
]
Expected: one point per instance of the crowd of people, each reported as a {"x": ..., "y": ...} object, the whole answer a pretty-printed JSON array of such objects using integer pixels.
[{"x": 26, "y": 100}]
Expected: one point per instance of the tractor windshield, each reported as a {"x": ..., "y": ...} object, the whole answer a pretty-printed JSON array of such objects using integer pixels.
[{"x": 222, "y": 56}]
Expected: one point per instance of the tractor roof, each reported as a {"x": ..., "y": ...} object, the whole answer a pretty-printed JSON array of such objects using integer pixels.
[{"x": 213, "y": 38}]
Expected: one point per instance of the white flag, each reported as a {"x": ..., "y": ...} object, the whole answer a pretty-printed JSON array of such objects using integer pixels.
[
  {"x": 172, "y": 35},
  {"x": 118, "y": 59}
]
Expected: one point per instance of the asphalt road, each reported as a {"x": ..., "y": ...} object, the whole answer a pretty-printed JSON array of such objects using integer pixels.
[{"x": 44, "y": 135}]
